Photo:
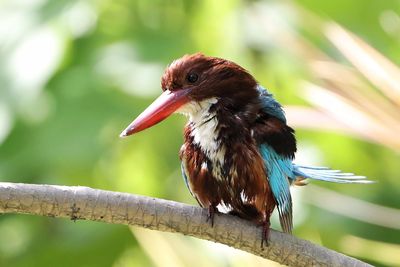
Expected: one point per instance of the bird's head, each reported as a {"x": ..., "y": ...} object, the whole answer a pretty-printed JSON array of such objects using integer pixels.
[{"x": 194, "y": 82}]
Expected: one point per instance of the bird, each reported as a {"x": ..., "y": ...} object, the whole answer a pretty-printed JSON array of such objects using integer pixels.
[{"x": 238, "y": 149}]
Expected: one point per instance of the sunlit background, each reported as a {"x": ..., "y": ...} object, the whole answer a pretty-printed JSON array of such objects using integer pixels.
[{"x": 73, "y": 74}]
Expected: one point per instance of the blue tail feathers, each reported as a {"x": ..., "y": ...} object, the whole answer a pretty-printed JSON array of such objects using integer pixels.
[{"x": 328, "y": 175}]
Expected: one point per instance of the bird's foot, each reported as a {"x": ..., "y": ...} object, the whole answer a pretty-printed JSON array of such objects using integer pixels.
[
  {"x": 265, "y": 233},
  {"x": 211, "y": 213}
]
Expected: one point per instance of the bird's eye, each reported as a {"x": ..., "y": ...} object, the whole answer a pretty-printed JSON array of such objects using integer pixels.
[{"x": 192, "y": 77}]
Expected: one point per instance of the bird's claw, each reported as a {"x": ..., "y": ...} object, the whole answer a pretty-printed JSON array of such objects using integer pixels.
[
  {"x": 265, "y": 234},
  {"x": 211, "y": 213}
]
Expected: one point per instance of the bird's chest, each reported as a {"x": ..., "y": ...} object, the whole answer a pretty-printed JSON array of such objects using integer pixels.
[
  {"x": 210, "y": 162},
  {"x": 206, "y": 172},
  {"x": 221, "y": 161},
  {"x": 210, "y": 152}
]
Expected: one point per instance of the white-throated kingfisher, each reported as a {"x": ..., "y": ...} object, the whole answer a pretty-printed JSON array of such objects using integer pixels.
[{"x": 238, "y": 149}]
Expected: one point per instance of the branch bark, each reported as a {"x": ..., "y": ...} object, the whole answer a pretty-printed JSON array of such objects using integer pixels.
[{"x": 83, "y": 203}]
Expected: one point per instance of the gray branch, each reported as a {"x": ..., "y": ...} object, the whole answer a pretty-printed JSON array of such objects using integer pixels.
[{"x": 83, "y": 203}]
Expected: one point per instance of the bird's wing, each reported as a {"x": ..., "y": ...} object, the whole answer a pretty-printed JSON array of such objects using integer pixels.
[
  {"x": 270, "y": 126},
  {"x": 277, "y": 145},
  {"x": 185, "y": 178},
  {"x": 279, "y": 171},
  {"x": 270, "y": 105}
]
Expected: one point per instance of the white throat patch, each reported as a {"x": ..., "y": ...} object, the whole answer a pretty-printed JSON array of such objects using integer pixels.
[{"x": 205, "y": 133}]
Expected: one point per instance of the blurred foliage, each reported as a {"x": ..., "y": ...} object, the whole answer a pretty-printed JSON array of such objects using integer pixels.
[{"x": 74, "y": 73}]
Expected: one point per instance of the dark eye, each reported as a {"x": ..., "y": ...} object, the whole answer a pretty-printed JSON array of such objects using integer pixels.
[{"x": 192, "y": 77}]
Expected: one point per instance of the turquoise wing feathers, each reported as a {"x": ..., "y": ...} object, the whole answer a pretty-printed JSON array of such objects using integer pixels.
[
  {"x": 270, "y": 105},
  {"x": 279, "y": 167},
  {"x": 280, "y": 174}
]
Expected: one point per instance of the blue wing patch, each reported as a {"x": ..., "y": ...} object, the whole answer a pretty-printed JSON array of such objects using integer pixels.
[
  {"x": 280, "y": 175},
  {"x": 270, "y": 105}
]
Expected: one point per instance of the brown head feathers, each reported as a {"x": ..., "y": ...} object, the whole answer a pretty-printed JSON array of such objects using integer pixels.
[{"x": 208, "y": 77}]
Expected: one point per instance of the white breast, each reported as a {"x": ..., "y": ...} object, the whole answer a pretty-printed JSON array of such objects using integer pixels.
[{"x": 204, "y": 130}]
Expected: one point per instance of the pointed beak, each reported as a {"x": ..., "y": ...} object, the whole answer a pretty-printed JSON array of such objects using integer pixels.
[{"x": 160, "y": 109}]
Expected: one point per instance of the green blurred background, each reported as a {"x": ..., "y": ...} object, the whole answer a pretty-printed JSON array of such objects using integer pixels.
[{"x": 73, "y": 74}]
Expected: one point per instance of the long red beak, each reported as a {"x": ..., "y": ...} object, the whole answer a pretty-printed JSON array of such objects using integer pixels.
[{"x": 161, "y": 108}]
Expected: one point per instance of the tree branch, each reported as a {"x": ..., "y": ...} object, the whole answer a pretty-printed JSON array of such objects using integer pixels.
[{"x": 83, "y": 203}]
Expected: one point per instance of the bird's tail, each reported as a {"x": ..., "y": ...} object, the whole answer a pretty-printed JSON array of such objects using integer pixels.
[{"x": 327, "y": 175}]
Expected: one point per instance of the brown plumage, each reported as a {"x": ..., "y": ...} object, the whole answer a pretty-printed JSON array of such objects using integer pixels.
[
  {"x": 241, "y": 181},
  {"x": 244, "y": 176}
]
